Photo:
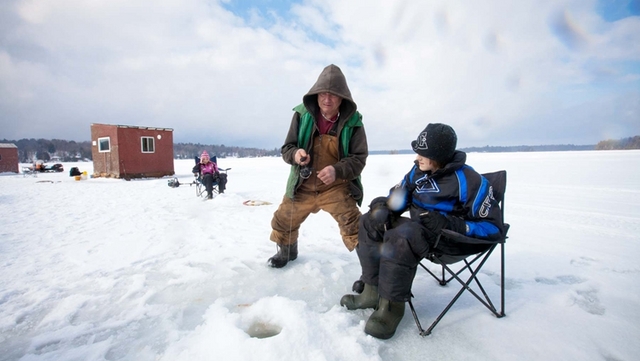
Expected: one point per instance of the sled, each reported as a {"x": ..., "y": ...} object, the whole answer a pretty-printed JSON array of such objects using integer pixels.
[{"x": 252, "y": 202}]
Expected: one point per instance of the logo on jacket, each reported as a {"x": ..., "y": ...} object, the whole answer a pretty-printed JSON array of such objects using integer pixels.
[
  {"x": 426, "y": 185},
  {"x": 486, "y": 204}
]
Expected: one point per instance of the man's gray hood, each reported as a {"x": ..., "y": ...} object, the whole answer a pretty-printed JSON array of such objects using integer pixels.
[{"x": 331, "y": 80}]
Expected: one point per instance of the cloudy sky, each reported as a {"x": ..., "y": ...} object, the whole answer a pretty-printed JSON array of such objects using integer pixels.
[{"x": 501, "y": 72}]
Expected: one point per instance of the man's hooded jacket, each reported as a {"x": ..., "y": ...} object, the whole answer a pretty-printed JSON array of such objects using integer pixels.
[{"x": 353, "y": 149}]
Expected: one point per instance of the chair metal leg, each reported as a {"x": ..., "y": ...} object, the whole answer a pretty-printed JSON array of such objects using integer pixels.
[
  {"x": 466, "y": 285},
  {"x": 485, "y": 300},
  {"x": 440, "y": 278},
  {"x": 501, "y": 280},
  {"x": 415, "y": 318},
  {"x": 468, "y": 266}
]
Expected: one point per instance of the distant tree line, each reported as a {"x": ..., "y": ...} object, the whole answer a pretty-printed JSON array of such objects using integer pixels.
[
  {"x": 497, "y": 149},
  {"x": 72, "y": 151},
  {"x": 54, "y": 149},
  {"x": 626, "y": 143},
  {"x": 529, "y": 148},
  {"x": 190, "y": 150},
  {"x": 30, "y": 150}
]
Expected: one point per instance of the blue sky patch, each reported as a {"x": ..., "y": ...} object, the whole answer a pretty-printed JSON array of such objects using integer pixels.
[
  {"x": 246, "y": 8},
  {"x": 265, "y": 13},
  {"x": 612, "y": 10}
]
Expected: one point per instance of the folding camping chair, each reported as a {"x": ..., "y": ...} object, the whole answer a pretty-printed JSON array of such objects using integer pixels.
[
  {"x": 200, "y": 187},
  {"x": 472, "y": 262}
]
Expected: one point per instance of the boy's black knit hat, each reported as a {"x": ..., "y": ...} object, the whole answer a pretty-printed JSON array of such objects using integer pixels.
[{"x": 437, "y": 141}]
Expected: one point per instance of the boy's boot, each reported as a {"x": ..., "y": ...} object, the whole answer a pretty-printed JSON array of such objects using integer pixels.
[
  {"x": 384, "y": 321},
  {"x": 367, "y": 299},
  {"x": 285, "y": 254}
]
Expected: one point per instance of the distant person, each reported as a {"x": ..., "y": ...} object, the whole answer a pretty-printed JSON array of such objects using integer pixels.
[
  {"x": 209, "y": 173},
  {"x": 440, "y": 191},
  {"x": 327, "y": 148},
  {"x": 38, "y": 166}
]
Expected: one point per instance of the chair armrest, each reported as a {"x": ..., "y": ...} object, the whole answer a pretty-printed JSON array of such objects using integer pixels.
[{"x": 461, "y": 238}]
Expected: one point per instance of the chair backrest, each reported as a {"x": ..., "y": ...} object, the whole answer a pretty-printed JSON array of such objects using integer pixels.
[{"x": 498, "y": 181}]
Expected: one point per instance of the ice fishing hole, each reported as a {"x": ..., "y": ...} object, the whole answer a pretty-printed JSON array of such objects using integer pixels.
[{"x": 261, "y": 329}]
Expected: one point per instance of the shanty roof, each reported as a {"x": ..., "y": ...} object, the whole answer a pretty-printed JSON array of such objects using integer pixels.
[{"x": 135, "y": 127}]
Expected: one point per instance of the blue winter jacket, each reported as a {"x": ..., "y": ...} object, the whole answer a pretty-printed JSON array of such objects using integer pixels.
[{"x": 455, "y": 190}]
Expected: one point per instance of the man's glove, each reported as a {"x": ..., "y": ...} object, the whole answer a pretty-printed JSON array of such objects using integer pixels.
[
  {"x": 379, "y": 214},
  {"x": 436, "y": 221}
]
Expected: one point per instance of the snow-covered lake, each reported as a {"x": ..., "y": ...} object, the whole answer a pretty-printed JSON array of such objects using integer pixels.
[{"x": 107, "y": 269}]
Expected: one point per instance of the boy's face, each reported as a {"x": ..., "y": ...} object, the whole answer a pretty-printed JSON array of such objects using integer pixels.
[{"x": 425, "y": 164}]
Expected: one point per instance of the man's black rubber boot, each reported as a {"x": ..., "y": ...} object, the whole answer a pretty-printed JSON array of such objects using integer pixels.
[{"x": 285, "y": 254}]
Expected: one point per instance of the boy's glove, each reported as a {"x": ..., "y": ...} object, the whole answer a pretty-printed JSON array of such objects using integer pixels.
[
  {"x": 379, "y": 217},
  {"x": 436, "y": 221}
]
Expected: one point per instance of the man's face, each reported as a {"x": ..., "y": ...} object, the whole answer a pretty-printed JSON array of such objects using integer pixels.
[{"x": 329, "y": 104}]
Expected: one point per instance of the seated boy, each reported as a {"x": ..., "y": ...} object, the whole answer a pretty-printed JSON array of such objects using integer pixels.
[{"x": 440, "y": 191}]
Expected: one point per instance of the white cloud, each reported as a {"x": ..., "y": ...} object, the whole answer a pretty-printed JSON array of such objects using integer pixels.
[{"x": 490, "y": 69}]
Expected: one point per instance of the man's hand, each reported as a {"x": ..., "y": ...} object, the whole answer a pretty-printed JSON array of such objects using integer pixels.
[
  {"x": 327, "y": 175},
  {"x": 301, "y": 157}
]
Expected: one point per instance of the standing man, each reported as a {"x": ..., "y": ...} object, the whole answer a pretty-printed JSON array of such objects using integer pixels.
[{"x": 327, "y": 148}]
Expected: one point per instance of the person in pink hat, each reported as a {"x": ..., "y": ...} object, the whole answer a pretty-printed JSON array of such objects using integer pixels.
[{"x": 208, "y": 170}]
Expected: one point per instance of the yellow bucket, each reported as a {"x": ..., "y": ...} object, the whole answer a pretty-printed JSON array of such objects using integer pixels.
[{"x": 77, "y": 177}]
